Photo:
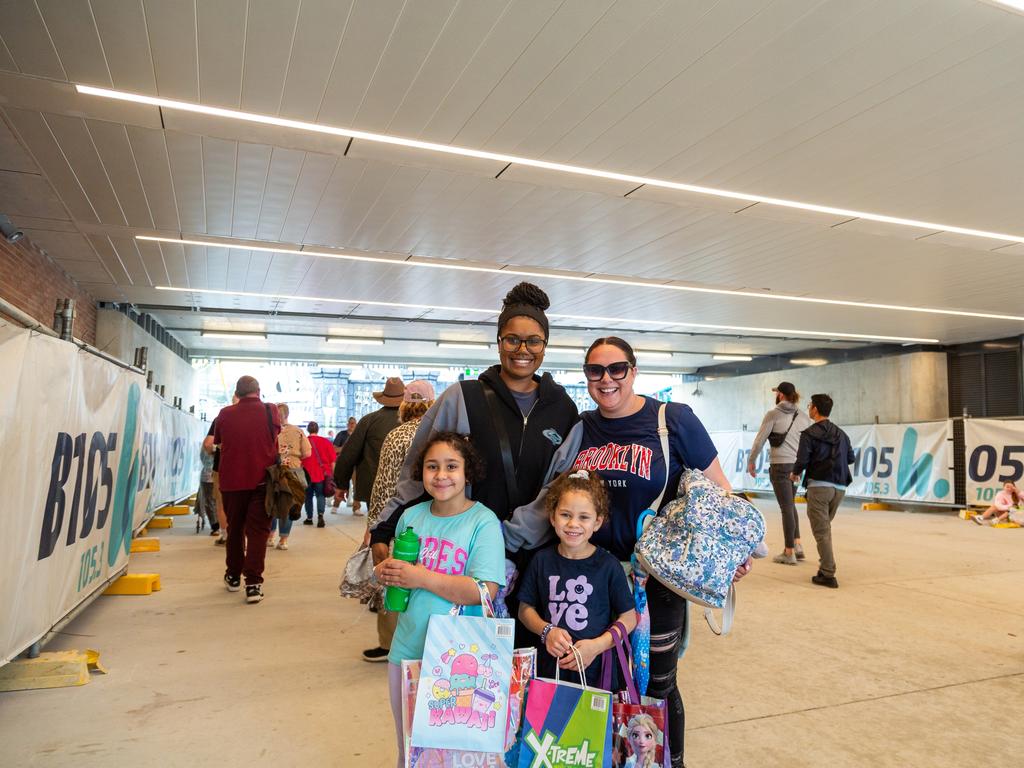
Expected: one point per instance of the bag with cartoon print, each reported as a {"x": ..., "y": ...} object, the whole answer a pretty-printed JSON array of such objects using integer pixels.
[{"x": 465, "y": 678}]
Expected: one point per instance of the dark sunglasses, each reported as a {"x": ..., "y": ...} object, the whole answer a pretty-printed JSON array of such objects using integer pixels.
[{"x": 617, "y": 371}]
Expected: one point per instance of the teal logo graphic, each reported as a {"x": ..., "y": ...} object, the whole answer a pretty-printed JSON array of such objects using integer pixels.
[
  {"x": 127, "y": 482},
  {"x": 553, "y": 436},
  {"x": 914, "y": 474}
]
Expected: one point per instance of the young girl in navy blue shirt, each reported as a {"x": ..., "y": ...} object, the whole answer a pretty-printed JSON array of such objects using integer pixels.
[{"x": 573, "y": 592}]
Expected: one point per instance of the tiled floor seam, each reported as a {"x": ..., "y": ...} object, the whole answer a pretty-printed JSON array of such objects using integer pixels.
[{"x": 859, "y": 701}]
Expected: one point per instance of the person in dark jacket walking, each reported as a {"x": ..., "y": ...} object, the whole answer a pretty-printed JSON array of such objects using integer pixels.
[
  {"x": 825, "y": 455},
  {"x": 361, "y": 452}
]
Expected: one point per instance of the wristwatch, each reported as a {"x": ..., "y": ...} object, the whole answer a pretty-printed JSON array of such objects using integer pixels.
[{"x": 544, "y": 633}]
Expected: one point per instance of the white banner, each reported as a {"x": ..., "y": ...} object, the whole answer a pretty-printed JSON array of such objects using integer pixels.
[
  {"x": 87, "y": 452},
  {"x": 898, "y": 462},
  {"x": 994, "y": 453}
]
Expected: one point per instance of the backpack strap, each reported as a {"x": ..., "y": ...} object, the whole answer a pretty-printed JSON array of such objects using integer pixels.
[
  {"x": 494, "y": 409},
  {"x": 728, "y": 610},
  {"x": 663, "y": 434}
]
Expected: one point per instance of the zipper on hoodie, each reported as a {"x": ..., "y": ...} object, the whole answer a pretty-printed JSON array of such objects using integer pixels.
[{"x": 522, "y": 437}]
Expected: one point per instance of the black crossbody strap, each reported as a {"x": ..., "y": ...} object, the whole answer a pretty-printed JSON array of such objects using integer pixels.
[{"x": 493, "y": 407}]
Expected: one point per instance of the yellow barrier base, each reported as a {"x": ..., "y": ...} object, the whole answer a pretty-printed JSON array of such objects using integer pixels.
[
  {"x": 800, "y": 500},
  {"x": 56, "y": 669},
  {"x": 145, "y": 545},
  {"x": 135, "y": 584},
  {"x": 967, "y": 514},
  {"x": 160, "y": 522},
  {"x": 874, "y": 506},
  {"x": 1006, "y": 525},
  {"x": 180, "y": 509}
]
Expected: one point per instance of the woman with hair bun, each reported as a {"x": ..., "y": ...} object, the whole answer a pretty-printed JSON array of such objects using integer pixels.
[{"x": 509, "y": 404}]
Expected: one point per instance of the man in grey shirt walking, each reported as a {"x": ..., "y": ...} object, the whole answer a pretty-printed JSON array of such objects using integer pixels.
[{"x": 781, "y": 427}]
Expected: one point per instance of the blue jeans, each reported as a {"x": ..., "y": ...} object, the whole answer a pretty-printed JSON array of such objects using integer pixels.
[
  {"x": 285, "y": 526},
  {"x": 315, "y": 490}
]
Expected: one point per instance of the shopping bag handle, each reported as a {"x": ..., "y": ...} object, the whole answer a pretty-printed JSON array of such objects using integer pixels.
[
  {"x": 579, "y": 667},
  {"x": 485, "y": 602},
  {"x": 620, "y": 640},
  {"x": 727, "y": 613}
]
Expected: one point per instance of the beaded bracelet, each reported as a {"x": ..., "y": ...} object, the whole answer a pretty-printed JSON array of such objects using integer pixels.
[{"x": 544, "y": 633}]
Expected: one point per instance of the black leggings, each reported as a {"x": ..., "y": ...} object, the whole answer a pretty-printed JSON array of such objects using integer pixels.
[{"x": 668, "y": 627}]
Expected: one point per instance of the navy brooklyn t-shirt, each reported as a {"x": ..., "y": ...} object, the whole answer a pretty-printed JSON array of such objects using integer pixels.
[
  {"x": 582, "y": 597},
  {"x": 626, "y": 453}
]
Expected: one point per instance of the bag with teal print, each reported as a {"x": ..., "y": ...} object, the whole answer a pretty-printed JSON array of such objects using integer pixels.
[{"x": 466, "y": 674}]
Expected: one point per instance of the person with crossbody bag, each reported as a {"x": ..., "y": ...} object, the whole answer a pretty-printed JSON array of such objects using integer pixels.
[{"x": 621, "y": 441}]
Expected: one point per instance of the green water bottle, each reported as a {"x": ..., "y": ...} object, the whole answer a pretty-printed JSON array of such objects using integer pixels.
[{"x": 407, "y": 548}]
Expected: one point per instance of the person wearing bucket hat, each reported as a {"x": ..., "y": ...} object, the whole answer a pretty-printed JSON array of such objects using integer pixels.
[
  {"x": 781, "y": 428},
  {"x": 419, "y": 396},
  {"x": 361, "y": 452}
]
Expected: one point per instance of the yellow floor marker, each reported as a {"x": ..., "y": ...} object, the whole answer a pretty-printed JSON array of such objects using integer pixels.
[
  {"x": 145, "y": 545},
  {"x": 874, "y": 506},
  {"x": 967, "y": 514},
  {"x": 160, "y": 522},
  {"x": 135, "y": 584},
  {"x": 1006, "y": 525},
  {"x": 53, "y": 669},
  {"x": 178, "y": 509},
  {"x": 800, "y": 500}
]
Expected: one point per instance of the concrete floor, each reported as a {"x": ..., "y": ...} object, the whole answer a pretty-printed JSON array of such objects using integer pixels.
[{"x": 917, "y": 660}]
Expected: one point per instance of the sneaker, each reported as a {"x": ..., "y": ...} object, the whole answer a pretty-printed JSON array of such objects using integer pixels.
[
  {"x": 978, "y": 519},
  {"x": 271, "y": 541},
  {"x": 785, "y": 559},
  {"x": 282, "y": 544},
  {"x": 825, "y": 581},
  {"x": 308, "y": 521},
  {"x": 234, "y": 583},
  {"x": 222, "y": 540},
  {"x": 376, "y": 654},
  {"x": 214, "y": 532},
  {"x": 799, "y": 552},
  {"x": 320, "y": 522},
  {"x": 253, "y": 593}
]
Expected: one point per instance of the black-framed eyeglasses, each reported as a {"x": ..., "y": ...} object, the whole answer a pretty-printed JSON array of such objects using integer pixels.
[
  {"x": 511, "y": 343},
  {"x": 617, "y": 371}
]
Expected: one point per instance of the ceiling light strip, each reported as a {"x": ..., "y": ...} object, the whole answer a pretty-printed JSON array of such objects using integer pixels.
[
  {"x": 379, "y": 138},
  {"x": 618, "y": 281},
  {"x": 787, "y": 332}
]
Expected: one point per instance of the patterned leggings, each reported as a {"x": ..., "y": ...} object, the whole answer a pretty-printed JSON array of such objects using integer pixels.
[{"x": 668, "y": 627}]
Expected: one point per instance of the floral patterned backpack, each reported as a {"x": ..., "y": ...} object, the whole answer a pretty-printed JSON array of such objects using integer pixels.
[{"x": 697, "y": 542}]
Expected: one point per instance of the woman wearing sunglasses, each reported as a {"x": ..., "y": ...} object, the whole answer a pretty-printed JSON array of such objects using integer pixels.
[{"x": 619, "y": 440}]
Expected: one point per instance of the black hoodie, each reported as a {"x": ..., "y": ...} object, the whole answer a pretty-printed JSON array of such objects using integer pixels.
[
  {"x": 826, "y": 453},
  {"x": 533, "y": 440}
]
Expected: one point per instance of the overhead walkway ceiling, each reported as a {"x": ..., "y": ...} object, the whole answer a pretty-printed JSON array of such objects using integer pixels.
[{"x": 907, "y": 109}]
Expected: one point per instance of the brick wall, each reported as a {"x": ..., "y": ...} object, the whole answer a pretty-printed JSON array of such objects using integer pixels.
[{"x": 32, "y": 282}]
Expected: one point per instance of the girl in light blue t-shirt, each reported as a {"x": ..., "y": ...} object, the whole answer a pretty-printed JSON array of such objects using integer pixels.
[{"x": 460, "y": 543}]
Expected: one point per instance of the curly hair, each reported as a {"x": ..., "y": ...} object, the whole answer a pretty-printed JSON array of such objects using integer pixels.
[
  {"x": 579, "y": 481},
  {"x": 408, "y": 411},
  {"x": 475, "y": 469}
]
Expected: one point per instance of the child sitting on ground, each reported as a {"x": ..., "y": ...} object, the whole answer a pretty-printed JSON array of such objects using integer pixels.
[{"x": 1008, "y": 505}]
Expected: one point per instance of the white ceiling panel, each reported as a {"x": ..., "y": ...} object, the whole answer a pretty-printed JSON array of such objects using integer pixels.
[
  {"x": 122, "y": 30},
  {"x": 71, "y": 246},
  {"x": 74, "y": 33},
  {"x": 309, "y": 189},
  {"x": 269, "y": 32},
  {"x": 111, "y": 259},
  {"x": 171, "y": 28},
  {"x": 79, "y": 149},
  {"x": 315, "y": 45},
  {"x": 153, "y": 258},
  {"x": 28, "y": 41},
  {"x": 285, "y": 166},
  {"x": 149, "y": 153},
  {"x": 221, "y": 51},
  {"x": 35, "y": 133},
  {"x": 219, "y": 162},
  {"x": 185, "y": 153},
  {"x": 176, "y": 264},
  {"x": 251, "y": 179},
  {"x": 26, "y": 194},
  {"x": 115, "y": 152},
  {"x": 420, "y": 158},
  {"x": 544, "y": 177},
  {"x": 368, "y": 31},
  {"x": 128, "y": 254},
  {"x": 6, "y": 59}
]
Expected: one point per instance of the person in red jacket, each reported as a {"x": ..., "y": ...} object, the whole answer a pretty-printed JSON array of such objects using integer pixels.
[
  {"x": 247, "y": 435},
  {"x": 319, "y": 465}
]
